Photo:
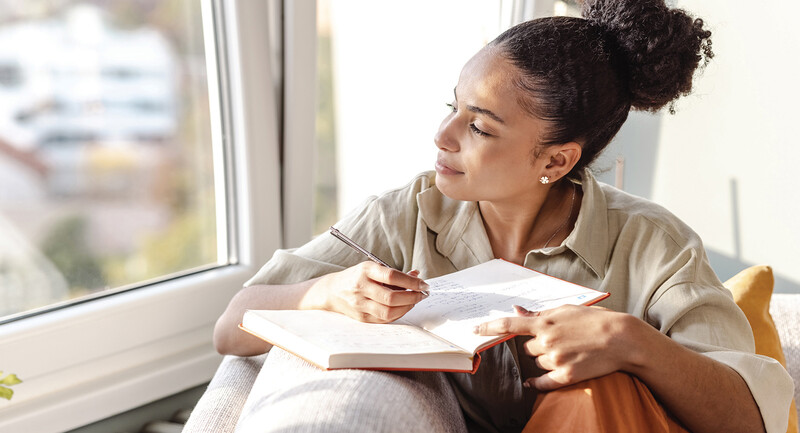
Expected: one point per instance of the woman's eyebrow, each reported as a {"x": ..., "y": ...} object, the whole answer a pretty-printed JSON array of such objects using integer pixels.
[
  {"x": 489, "y": 113},
  {"x": 480, "y": 110}
]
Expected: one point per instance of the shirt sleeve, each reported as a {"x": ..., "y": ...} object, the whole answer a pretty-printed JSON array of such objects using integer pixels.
[
  {"x": 384, "y": 225},
  {"x": 705, "y": 319}
]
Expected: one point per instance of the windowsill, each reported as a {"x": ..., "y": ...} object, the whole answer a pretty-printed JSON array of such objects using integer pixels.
[{"x": 93, "y": 360}]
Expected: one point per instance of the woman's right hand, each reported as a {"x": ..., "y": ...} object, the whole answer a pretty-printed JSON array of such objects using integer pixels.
[{"x": 368, "y": 292}]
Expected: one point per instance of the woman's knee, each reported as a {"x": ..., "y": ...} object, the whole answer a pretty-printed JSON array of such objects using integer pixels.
[{"x": 615, "y": 402}]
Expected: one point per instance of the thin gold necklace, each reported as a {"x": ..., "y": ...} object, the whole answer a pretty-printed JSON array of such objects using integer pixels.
[{"x": 569, "y": 217}]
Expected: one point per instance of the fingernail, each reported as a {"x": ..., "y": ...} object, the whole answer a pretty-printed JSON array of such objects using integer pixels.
[
  {"x": 526, "y": 384},
  {"x": 476, "y": 329},
  {"x": 424, "y": 286},
  {"x": 425, "y": 293}
]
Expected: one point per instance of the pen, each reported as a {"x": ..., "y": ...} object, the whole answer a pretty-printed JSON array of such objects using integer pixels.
[{"x": 349, "y": 242}]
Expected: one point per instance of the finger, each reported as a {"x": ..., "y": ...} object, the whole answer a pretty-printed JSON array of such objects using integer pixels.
[
  {"x": 533, "y": 347},
  {"x": 383, "y": 314},
  {"x": 396, "y": 278},
  {"x": 544, "y": 362},
  {"x": 387, "y": 295},
  {"x": 392, "y": 297},
  {"x": 551, "y": 380},
  {"x": 522, "y": 311},
  {"x": 362, "y": 316},
  {"x": 507, "y": 325},
  {"x": 390, "y": 314},
  {"x": 414, "y": 273},
  {"x": 364, "y": 310}
]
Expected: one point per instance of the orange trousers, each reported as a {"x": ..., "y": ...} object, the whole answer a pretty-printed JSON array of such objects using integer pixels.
[{"x": 617, "y": 402}]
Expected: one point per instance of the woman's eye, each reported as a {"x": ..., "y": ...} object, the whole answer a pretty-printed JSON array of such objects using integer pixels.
[
  {"x": 475, "y": 129},
  {"x": 478, "y": 131}
]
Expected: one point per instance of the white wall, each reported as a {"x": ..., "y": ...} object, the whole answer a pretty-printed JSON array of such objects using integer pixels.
[
  {"x": 725, "y": 162},
  {"x": 395, "y": 66}
]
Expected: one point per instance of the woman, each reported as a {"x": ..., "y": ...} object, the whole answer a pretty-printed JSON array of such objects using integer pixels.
[{"x": 530, "y": 112}]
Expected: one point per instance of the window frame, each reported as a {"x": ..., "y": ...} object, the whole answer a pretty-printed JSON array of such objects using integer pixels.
[{"x": 89, "y": 361}]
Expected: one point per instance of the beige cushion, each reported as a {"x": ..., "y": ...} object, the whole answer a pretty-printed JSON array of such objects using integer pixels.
[{"x": 219, "y": 408}]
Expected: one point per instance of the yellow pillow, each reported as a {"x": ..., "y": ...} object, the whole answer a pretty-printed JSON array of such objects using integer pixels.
[{"x": 752, "y": 290}]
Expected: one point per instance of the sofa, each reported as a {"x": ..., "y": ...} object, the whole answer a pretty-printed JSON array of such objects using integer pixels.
[{"x": 219, "y": 408}]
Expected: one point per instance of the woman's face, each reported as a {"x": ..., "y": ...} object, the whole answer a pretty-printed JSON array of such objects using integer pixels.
[{"x": 487, "y": 143}]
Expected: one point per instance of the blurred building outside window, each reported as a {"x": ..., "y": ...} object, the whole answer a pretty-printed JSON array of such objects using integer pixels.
[{"x": 106, "y": 170}]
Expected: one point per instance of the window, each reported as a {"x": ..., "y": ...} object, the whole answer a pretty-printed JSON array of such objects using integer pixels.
[
  {"x": 106, "y": 163},
  {"x": 102, "y": 355}
]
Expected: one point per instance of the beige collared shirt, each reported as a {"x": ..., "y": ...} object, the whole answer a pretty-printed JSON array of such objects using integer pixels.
[{"x": 652, "y": 264}]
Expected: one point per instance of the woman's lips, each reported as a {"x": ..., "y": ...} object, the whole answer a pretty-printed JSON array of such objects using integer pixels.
[{"x": 444, "y": 169}]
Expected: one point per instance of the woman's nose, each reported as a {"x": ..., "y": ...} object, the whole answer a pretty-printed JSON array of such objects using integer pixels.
[{"x": 445, "y": 138}]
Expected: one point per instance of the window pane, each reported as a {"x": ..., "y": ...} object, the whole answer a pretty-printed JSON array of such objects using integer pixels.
[
  {"x": 106, "y": 170},
  {"x": 325, "y": 205}
]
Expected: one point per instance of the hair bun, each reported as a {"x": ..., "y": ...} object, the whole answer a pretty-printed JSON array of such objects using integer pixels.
[{"x": 660, "y": 47}]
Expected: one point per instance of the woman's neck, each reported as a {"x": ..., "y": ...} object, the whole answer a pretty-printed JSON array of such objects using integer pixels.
[{"x": 515, "y": 228}]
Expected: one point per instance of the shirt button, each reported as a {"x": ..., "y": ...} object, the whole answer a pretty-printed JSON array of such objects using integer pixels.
[{"x": 515, "y": 372}]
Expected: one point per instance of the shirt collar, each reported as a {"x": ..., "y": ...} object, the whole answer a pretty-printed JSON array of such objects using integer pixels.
[
  {"x": 460, "y": 234},
  {"x": 589, "y": 238},
  {"x": 462, "y": 237}
]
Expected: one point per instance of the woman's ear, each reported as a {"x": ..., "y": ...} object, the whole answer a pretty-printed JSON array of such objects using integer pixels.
[{"x": 563, "y": 157}]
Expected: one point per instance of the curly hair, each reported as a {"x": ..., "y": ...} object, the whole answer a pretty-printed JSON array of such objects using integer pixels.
[{"x": 583, "y": 75}]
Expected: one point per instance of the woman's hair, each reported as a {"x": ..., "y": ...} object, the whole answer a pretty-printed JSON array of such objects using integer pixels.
[{"x": 583, "y": 75}]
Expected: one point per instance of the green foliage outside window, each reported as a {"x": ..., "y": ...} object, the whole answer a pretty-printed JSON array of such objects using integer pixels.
[{"x": 5, "y": 383}]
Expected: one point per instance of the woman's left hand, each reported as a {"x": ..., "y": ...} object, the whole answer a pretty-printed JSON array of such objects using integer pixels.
[{"x": 573, "y": 343}]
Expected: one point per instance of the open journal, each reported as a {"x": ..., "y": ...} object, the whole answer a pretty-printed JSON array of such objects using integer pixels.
[{"x": 435, "y": 335}]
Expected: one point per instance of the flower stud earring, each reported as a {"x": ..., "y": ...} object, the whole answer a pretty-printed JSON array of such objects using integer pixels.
[{"x": 544, "y": 180}]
